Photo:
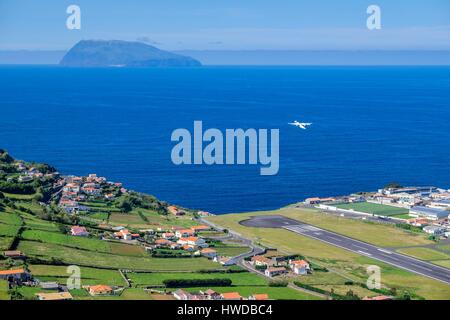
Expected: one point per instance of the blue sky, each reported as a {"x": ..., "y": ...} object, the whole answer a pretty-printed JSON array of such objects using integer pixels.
[{"x": 229, "y": 24}]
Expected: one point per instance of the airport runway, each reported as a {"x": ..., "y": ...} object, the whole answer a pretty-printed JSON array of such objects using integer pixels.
[{"x": 385, "y": 255}]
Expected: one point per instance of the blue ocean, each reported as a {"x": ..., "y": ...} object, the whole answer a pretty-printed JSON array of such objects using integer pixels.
[{"x": 371, "y": 126}]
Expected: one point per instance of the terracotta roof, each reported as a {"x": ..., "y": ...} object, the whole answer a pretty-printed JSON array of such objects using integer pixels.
[
  {"x": 208, "y": 250},
  {"x": 300, "y": 263},
  {"x": 261, "y": 296},
  {"x": 100, "y": 288}
]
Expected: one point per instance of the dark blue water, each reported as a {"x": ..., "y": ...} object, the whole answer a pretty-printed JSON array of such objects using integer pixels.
[{"x": 371, "y": 126}]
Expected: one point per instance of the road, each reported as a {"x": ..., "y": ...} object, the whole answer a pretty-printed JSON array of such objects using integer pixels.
[{"x": 382, "y": 254}]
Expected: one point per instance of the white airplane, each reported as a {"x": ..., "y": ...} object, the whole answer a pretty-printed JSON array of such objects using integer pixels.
[{"x": 301, "y": 125}]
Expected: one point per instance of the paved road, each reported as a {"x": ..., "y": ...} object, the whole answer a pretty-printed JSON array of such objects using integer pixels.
[{"x": 378, "y": 253}]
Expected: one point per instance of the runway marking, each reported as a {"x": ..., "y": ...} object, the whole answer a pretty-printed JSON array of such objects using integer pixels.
[
  {"x": 364, "y": 252},
  {"x": 337, "y": 239},
  {"x": 385, "y": 251}
]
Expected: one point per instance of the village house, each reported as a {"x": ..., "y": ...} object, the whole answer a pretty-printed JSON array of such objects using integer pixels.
[
  {"x": 211, "y": 294},
  {"x": 231, "y": 296},
  {"x": 168, "y": 235},
  {"x": 91, "y": 191},
  {"x": 15, "y": 274},
  {"x": 261, "y": 261},
  {"x": 109, "y": 196},
  {"x": 181, "y": 295},
  {"x": 125, "y": 234},
  {"x": 163, "y": 243},
  {"x": 418, "y": 222},
  {"x": 79, "y": 231},
  {"x": 71, "y": 187},
  {"x": 275, "y": 271},
  {"x": 203, "y": 213},
  {"x": 184, "y": 233},
  {"x": 188, "y": 248},
  {"x": 100, "y": 290},
  {"x": 54, "y": 296},
  {"x": 299, "y": 266},
  {"x": 175, "y": 211},
  {"x": 261, "y": 296},
  {"x": 193, "y": 241},
  {"x": 13, "y": 254},
  {"x": 225, "y": 261}
]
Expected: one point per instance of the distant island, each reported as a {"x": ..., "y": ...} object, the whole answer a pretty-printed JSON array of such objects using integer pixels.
[{"x": 117, "y": 53}]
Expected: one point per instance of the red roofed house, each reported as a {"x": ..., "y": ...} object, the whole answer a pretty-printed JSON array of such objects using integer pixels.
[
  {"x": 211, "y": 294},
  {"x": 184, "y": 233},
  {"x": 275, "y": 271},
  {"x": 163, "y": 242},
  {"x": 100, "y": 290},
  {"x": 168, "y": 235},
  {"x": 261, "y": 261},
  {"x": 16, "y": 274},
  {"x": 125, "y": 234},
  {"x": 208, "y": 252},
  {"x": 79, "y": 231},
  {"x": 193, "y": 241}
]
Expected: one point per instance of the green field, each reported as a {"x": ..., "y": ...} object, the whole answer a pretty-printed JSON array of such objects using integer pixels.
[
  {"x": 83, "y": 243},
  {"x": 275, "y": 293},
  {"x": 10, "y": 218},
  {"x": 5, "y": 243},
  {"x": 7, "y": 230},
  {"x": 49, "y": 252},
  {"x": 443, "y": 263},
  {"x": 373, "y": 208},
  {"x": 341, "y": 263},
  {"x": 445, "y": 247},
  {"x": 424, "y": 253},
  {"x": 157, "y": 278},
  {"x": 89, "y": 276}
]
